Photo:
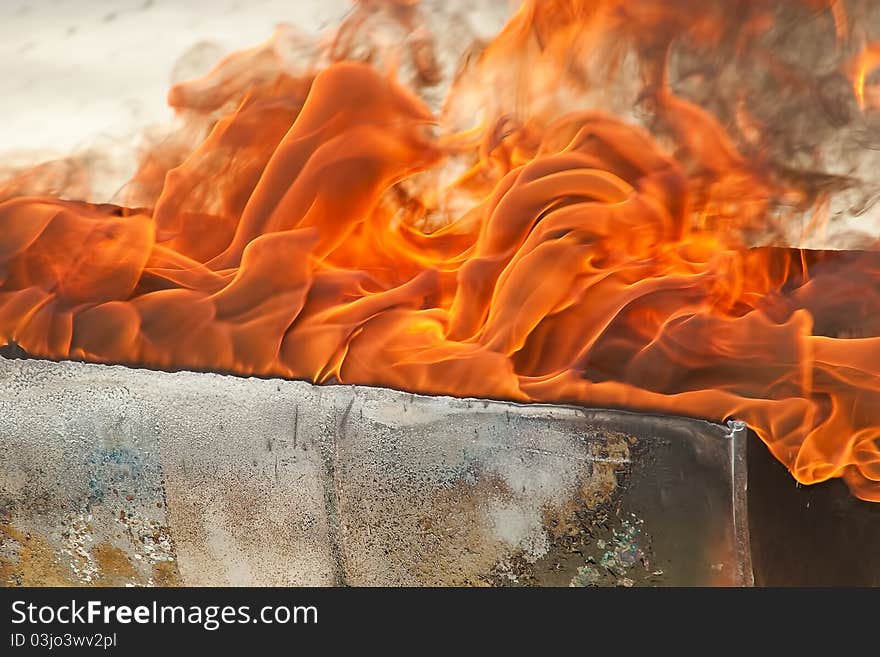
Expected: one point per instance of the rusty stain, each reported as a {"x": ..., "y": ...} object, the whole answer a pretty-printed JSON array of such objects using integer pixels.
[
  {"x": 30, "y": 559},
  {"x": 114, "y": 567},
  {"x": 27, "y": 560},
  {"x": 166, "y": 573}
]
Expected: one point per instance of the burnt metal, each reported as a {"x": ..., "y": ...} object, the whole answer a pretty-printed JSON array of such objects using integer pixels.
[
  {"x": 12, "y": 350},
  {"x": 677, "y": 518},
  {"x": 687, "y": 485},
  {"x": 124, "y": 476},
  {"x": 819, "y": 535}
]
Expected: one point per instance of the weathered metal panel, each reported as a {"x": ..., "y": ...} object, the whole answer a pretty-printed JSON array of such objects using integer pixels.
[{"x": 111, "y": 475}]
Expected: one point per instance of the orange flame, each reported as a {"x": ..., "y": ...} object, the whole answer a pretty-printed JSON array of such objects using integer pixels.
[
  {"x": 860, "y": 68},
  {"x": 570, "y": 256}
]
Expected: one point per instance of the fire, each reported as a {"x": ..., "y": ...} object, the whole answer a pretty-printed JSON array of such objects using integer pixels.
[
  {"x": 517, "y": 244},
  {"x": 861, "y": 67}
]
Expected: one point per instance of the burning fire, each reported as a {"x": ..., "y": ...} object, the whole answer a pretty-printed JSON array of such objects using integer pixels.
[{"x": 514, "y": 243}]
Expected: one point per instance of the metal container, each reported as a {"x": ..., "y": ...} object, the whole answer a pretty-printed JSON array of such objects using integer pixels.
[{"x": 118, "y": 476}]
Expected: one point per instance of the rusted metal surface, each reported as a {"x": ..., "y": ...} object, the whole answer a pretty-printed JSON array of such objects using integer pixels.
[{"x": 110, "y": 475}]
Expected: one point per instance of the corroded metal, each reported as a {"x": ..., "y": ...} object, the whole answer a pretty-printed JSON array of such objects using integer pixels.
[{"x": 110, "y": 475}]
